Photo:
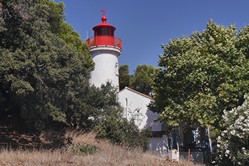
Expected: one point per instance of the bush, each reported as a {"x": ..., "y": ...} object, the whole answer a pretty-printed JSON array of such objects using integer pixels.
[
  {"x": 84, "y": 149},
  {"x": 233, "y": 143},
  {"x": 122, "y": 132}
]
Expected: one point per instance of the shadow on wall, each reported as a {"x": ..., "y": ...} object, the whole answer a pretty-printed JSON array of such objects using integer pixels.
[{"x": 151, "y": 122}]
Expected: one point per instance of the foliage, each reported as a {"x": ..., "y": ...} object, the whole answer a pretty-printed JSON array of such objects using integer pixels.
[
  {"x": 122, "y": 132},
  {"x": 234, "y": 140},
  {"x": 97, "y": 103},
  {"x": 202, "y": 75},
  {"x": 84, "y": 149},
  {"x": 124, "y": 77},
  {"x": 64, "y": 31},
  {"x": 141, "y": 80},
  {"x": 42, "y": 77}
]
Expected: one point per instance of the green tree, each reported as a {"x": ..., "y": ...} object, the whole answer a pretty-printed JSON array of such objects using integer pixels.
[
  {"x": 143, "y": 78},
  {"x": 42, "y": 78},
  {"x": 124, "y": 77},
  {"x": 202, "y": 75},
  {"x": 98, "y": 103},
  {"x": 64, "y": 31}
]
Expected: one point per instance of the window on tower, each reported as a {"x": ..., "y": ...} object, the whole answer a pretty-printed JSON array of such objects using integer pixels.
[
  {"x": 104, "y": 31},
  {"x": 116, "y": 69}
]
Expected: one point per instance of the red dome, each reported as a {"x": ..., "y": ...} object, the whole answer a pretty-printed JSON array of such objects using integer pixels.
[
  {"x": 104, "y": 24},
  {"x": 104, "y": 35}
]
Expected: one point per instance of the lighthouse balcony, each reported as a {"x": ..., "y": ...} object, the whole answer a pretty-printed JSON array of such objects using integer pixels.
[{"x": 104, "y": 41}]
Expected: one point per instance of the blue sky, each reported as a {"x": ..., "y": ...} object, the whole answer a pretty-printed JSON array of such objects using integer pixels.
[{"x": 144, "y": 25}]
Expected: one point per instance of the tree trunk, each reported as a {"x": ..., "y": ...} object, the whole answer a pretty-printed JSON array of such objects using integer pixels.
[{"x": 209, "y": 140}]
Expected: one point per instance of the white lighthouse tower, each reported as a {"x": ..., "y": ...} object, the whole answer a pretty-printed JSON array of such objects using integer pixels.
[{"x": 105, "y": 49}]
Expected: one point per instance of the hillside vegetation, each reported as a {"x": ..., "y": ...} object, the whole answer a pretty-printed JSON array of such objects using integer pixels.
[{"x": 84, "y": 149}]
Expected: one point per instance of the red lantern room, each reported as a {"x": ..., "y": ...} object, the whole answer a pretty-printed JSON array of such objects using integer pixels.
[{"x": 104, "y": 36}]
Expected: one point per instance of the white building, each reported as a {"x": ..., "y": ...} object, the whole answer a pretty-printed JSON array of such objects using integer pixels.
[{"x": 135, "y": 107}]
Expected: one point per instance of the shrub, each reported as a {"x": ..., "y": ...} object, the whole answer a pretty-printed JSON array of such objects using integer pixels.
[
  {"x": 122, "y": 132},
  {"x": 84, "y": 149},
  {"x": 233, "y": 143}
]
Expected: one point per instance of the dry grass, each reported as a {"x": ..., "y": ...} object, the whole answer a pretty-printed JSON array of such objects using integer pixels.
[{"x": 107, "y": 155}]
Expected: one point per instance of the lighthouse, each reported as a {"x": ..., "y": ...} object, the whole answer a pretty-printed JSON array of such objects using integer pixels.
[{"x": 105, "y": 49}]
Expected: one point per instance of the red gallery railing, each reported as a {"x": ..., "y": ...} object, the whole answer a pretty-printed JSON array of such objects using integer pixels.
[{"x": 104, "y": 41}]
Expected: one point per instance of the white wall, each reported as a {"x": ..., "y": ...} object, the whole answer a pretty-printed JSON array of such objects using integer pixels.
[
  {"x": 135, "y": 106},
  {"x": 106, "y": 66}
]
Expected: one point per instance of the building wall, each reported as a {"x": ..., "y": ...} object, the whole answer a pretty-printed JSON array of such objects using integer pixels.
[{"x": 135, "y": 106}]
